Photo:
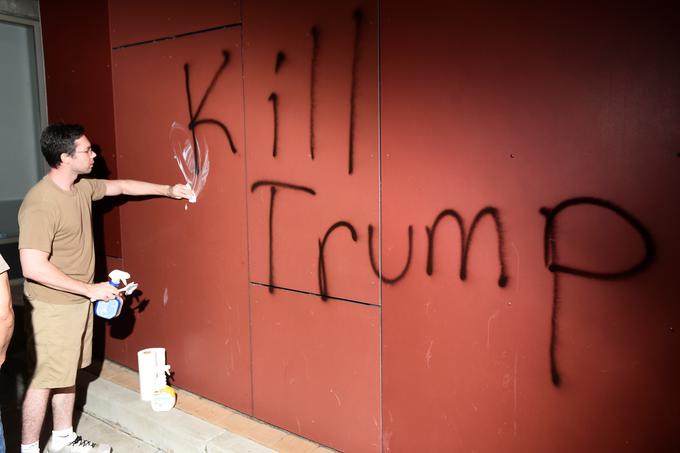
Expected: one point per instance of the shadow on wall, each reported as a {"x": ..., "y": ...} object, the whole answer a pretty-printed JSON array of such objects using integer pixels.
[
  {"x": 100, "y": 208},
  {"x": 122, "y": 326}
]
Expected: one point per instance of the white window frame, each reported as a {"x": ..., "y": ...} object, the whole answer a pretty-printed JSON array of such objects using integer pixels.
[
  {"x": 42, "y": 89},
  {"x": 40, "y": 72}
]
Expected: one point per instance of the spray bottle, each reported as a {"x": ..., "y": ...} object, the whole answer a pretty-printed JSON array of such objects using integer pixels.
[
  {"x": 109, "y": 309},
  {"x": 164, "y": 397}
]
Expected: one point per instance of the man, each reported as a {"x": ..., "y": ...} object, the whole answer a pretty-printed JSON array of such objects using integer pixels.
[
  {"x": 57, "y": 259},
  {"x": 6, "y": 325}
]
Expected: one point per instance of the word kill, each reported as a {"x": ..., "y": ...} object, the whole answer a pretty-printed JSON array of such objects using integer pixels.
[{"x": 195, "y": 119}]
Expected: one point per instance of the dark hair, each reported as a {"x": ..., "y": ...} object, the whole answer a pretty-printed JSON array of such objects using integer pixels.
[{"x": 59, "y": 138}]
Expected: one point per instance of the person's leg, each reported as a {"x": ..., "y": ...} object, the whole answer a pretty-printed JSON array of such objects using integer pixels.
[
  {"x": 63, "y": 401},
  {"x": 69, "y": 351},
  {"x": 54, "y": 334},
  {"x": 33, "y": 414}
]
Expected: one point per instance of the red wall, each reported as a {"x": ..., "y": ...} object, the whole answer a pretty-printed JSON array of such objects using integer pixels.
[
  {"x": 519, "y": 109},
  {"x": 549, "y": 133}
]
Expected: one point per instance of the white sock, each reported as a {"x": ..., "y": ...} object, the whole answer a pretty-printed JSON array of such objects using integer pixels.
[
  {"x": 30, "y": 448},
  {"x": 62, "y": 437}
]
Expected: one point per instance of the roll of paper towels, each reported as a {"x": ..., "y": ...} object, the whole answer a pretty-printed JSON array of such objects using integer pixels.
[{"x": 151, "y": 363}]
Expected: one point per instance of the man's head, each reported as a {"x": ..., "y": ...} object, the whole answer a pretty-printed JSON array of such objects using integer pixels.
[{"x": 61, "y": 143}]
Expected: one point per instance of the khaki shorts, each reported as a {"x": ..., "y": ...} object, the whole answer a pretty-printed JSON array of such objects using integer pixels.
[{"x": 59, "y": 342}]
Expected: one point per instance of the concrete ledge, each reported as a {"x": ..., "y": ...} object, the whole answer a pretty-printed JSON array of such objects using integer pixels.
[
  {"x": 173, "y": 431},
  {"x": 231, "y": 443},
  {"x": 232, "y": 424}
]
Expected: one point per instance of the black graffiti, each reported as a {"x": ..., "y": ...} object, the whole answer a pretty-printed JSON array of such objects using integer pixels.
[
  {"x": 273, "y": 185},
  {"x": 323, "y": 283},
  {"x": 194, "y": 120},
  {"x": 550, "y": 250},
  {"x": 551, "y": 262},
  {"x": 466, "y": 240},
  {"x": 274, "y": 99},
  {"x": 312, "y": 90},
  {"x": 285, "y": 185},
  {"x": 371, "y": 257},
  {"x": 315, "y": 34},
  {"x": 358, "y": 17},
  {"x": 280, "y": 59}
]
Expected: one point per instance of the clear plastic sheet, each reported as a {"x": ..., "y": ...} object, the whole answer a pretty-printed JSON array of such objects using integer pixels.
[{"x": 193, "y": 163}]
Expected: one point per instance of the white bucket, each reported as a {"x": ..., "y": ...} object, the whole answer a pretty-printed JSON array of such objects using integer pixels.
[{"x": 152, "y": 368}]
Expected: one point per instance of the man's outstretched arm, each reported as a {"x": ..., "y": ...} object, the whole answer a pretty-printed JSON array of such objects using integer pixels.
[
  {"x": 37, "y": 267},
  {"x": 131, "y": 187}
]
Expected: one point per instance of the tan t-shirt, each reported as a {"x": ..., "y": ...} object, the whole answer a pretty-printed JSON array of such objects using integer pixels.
[{"x": 60, "y": 223}]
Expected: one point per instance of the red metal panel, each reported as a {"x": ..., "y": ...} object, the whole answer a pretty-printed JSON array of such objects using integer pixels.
[
  {"x": 323, "y": 92},
  {"x": 79, "y": 91},
  {"x": 316, "y": 368},
  {"x": 189, "y": 259},
  {"x": 133, "y": 21},
  {"x": 518, "y": 109}
]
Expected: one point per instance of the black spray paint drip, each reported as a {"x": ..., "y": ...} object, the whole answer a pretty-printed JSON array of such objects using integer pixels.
[
  {"x": 280, "y": 59},
  {"x": 551, "y": 262},
  {"x": 273, "y": 186},
  {"x": 194, "y": 122},
  {"x": 274, "y": 99},
  {"x": 323, "y": 283},
  {"x": 466, "y": 240}
]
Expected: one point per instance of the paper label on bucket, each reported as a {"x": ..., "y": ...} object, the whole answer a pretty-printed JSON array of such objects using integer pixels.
[{"x": 163, "y": 399}]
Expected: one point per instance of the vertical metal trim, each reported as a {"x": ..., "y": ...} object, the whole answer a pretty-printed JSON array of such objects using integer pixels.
[
  {"x": 247, "y": 218},
  {"x": 380, "y": 226}
]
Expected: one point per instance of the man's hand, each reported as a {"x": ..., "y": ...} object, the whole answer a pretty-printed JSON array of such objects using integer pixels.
[
  {"x": 101, "y": 291},
  {"x": 179, "y": 191}
]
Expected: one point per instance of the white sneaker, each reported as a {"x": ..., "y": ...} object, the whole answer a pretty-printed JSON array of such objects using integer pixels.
[{"x": 79, "y": 445}]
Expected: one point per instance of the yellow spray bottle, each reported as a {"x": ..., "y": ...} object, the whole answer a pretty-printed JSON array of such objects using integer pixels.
[{"x": 164, "y": 397}]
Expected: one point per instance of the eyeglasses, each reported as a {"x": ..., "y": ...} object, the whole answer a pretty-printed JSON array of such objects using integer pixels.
[{"x": 88, "y": 151}]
